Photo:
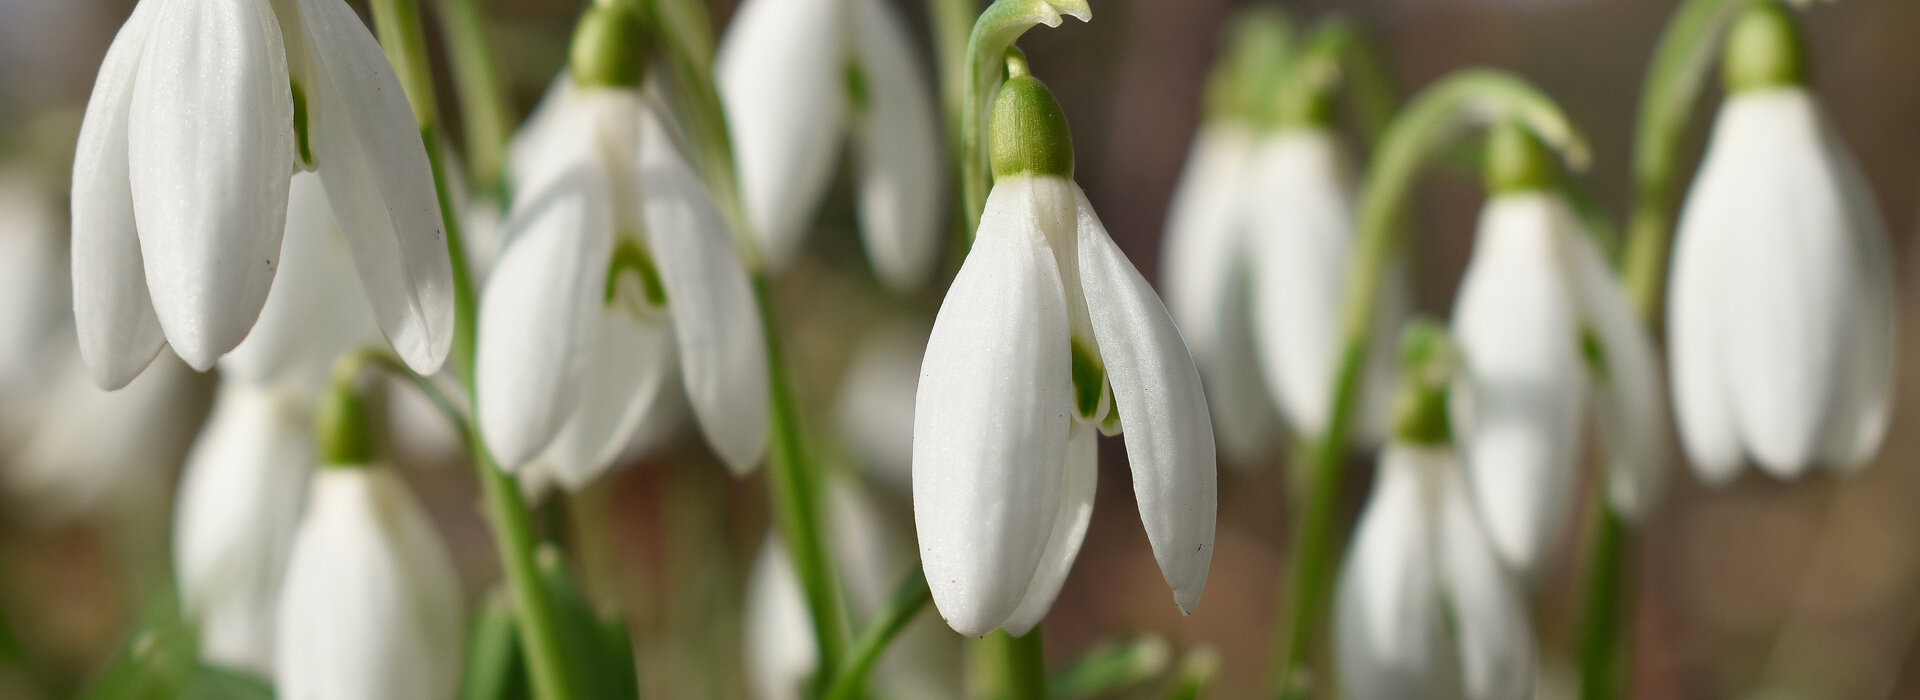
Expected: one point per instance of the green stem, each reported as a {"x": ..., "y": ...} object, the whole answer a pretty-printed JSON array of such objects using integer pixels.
[
  {"x": 998, "y": 27},
  {"x": 796, "y": 494},
  {"x": 1603, "y": 669},
  {"x": 1416, "y": 136},
  {"x": 486, "y": 116},
  {"x": 1015, "y": 668},
  {"x": 398, "y": 23},
  {"x": 907, "y": 601}
]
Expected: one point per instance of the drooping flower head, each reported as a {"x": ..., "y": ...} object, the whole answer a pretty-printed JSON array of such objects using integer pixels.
[
  {"x": 1782, "y": 310},
  {"x": 618, "y": 277},
  {"x": 1544, "y": 330},
  {"x": 1047, "y": 334},
  {"x": 799, "y": 78},
  {"x": 202, "y": 111}
]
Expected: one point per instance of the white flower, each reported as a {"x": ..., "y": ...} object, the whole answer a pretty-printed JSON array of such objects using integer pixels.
[
  {"x": 797, "y": 75},
  {"x": 1423, "y": 607},
  {"x": 371, "y": 609},
  {"x": 238, "y": 506},
  {"x": 180, "y": 180},
  {"x": 618, "y": 277},
  {"x": 33, "y": 291},
  {"x": 874, "y": 555},
  {"x": 1010, "y": 393},
  {"x": 875, "y": 407},
  {"x": 1258, "y": 238},
  {"x": 1781, "y": 315},
  {"x": 1537, "y": 297}
]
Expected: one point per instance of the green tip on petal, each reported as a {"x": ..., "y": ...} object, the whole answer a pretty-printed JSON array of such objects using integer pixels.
[
  {"x": 344, "y": 432},
  {"x": 609, "y": 47},
  {"x": 1763, "y": 50},
  {"x": 1516, "y": 160},
  {"x": 1427, "y": 368},
  {"x": 1028, "y": 133}
]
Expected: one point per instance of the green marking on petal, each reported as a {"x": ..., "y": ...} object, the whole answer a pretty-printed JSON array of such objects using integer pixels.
[
  {"x": 629, "y": 256},
  {"x": 1089, "y": 379},
  {"x": 857, "y": 93},
  {"x": 300, "y": 124}
]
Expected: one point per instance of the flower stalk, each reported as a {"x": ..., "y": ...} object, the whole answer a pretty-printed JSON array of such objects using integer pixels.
[
  {"x": 907, "y": 602},
  {"x": 398, "y": 25},
  {"x": 993, "y": 34},
  {"x": 486, "y": 118},
  {"x": 1418, "y": 135}
]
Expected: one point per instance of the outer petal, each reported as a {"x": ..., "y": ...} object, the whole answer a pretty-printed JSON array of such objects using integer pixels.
[
  {"x": 371, "y": 607},
  {"x": 367, "y": 147},
  {"x": 1629, "y": 402},
  {"x": 1301, "y": 226},
  {"x": 875, "y": 406},
  {"x": 1790, "y": 279},
  {"x": 540, "y": 315},
  {"x": 1207, "y": 289},
  {"x": 307, "y": 321},
  {"x": 1707, "y": 229},
  {"x": 1492, "y": 632},
  {"x": 1866, "y": 401},
  {"x": 119, "y": 333},
  {"x": 780, "y": 69},
  {"x": 210, "y": 150},
  {"x": 1162, "y": 409},
  {"x": 239, "y": 503},
  {"x": 35, "y": 306},
  {"x": 1388, "y": 634},
  {"x": 631, "y": 363},
  {"x": 1525, "y": 381},
  {"x": 716, "y": 319},
  {"x": 991, "y": 419},
  {"x": 778, "y": 637},
  {"x": 1069, "y": 530},
  {"x": 903, "y": 177}
]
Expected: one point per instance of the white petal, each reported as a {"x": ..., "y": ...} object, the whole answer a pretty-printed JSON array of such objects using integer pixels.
[
  {"x": 991, "y": 419},
  {"x": 532, "y": 154},
  {"x": 1301, "y": 226},
  {"x": 1069, "y": 529},
  {"x": 310, "y": 317},
  {"x": 1515, "y": 323},
  {"x": 240, "y": 497},
  {"x": 903, "y": 176},
  {"x": 875, "y": 411},
  {"x": 631, "y": 364},
  {"x": 1207, "y": 289},
  {"x": 119, "y": 333},
  {"x": 210, "y": 149},
  {"x": 1866, "y": 401},
  {"x": 778, "y": 632},
  {"x": 1387, "y": 625},
  {"x": 1696, "y": 322},
  {"x": 781, "y": 72},
  {"x": 1629, "y": 402},
  {"x": 367, "y": 148},
  {"x": 1162, "y": 409},
  {"x": 371, "y": 607},
  {"x": 1789, "y": 276},
  {"x": 540, "y": 313},
  {"x": 1494, "y": 636},
  {"x": 36, "y": 307},
  {"x": 716, "y": 319}
]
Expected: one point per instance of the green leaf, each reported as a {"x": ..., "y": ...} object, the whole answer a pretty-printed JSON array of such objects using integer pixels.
[{"x": 494, "y": 667}]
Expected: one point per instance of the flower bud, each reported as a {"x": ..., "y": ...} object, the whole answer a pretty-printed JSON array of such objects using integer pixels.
[
  {"x": 1763, "y": 50},
  {"x": 1516, "y": 160},
  {"x": 1029, "y": 132},
  {"x": 609, "y": 47}
]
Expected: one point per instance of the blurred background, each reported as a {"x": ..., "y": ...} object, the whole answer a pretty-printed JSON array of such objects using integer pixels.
[{"x": 1809, "y": 589}]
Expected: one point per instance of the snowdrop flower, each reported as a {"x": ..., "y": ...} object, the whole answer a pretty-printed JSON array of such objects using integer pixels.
[
  {"x": 201, "y": 112},
  {"x": 1048, "y": 333},
  {"x": 1537, "y": 308},
  {"x": 33, "y": 288},
  {"x": 1781, "y": 315},
  {"x": 874, "y": 553},
  {"x": 618, "y": 277},
  {"x": 239, "y": 502},
  {"x": 371, "y": 607},
  {"x": 798, "y": 74},
  {"x": 875, "y": 407},
  {"x": 1423, "y": 606}
]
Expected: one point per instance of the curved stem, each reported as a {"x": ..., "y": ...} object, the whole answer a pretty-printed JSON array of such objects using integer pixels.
[
  {"x": 1015, "y": 668},
  {"x": 996, "y": 30},
  {"x": 907, "y": 601},
  {"x": 1414, "y": 137},
  {"x": 486, "y": 119},
  {"x": 398, "y": 23},
  {"x": 796, "y": 492}
]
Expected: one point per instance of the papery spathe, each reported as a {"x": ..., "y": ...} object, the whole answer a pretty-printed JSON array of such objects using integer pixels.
[{"x": 181, "y": 174}]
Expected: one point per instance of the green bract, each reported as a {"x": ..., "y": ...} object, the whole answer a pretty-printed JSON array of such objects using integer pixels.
[
  {"x": 344, "y": 433},
  {"x": 608, "y": 47},
  {"x": 1763, "y": 50},
  {"x": 1029, "y": 132}
]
